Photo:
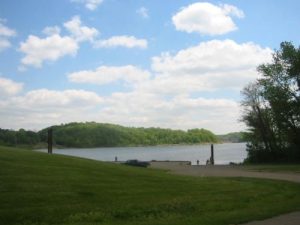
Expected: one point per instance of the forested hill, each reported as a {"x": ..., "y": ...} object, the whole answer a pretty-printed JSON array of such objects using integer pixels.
[
  {"x": 91, "y": 134},
  {"x": 96, "y": 135},
  {"x": 234, "y": 137}
]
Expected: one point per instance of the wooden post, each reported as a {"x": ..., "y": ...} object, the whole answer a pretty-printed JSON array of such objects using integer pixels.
[
  {"x": 50, "y": 140},
  {"x": 212, "y": 160}
]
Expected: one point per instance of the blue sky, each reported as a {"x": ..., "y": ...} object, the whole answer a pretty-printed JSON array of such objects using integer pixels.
[{"x": 174, "y": 64}]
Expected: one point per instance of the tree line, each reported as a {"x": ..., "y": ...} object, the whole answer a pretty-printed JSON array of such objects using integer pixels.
[
  {"x": 91, "y": 134},
  {"x": 233, "y": 137},
  {"x": 19, "y": 138},
  {"x": 272, "y": 109}
]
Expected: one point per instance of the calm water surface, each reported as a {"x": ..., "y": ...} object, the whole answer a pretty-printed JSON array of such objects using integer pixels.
[{"x": 224, "y": 153}]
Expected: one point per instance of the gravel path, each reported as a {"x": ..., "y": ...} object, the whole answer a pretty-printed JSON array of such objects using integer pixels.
[
  {"x": 235, "y": 171},
  {"x": 286, "y": 219}
]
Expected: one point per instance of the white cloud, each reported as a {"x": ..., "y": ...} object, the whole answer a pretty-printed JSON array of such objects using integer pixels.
[
  {"x": 206, "y": 18},
  {"x": 54, "y": 46},
  {"x": 143, "y": 12},
  {"x": 180, "y": 112},
  {"x": 92, "y": 4},
  {"x": 40, "y": 108},
  {"x": 5, "y": 34},
  {"x": 165, "y": 98},
  {"x": 122, "y": 41},
  {"x": 171, "y": 97},
  {"x": 4, "y": 44},
  {"x": 215, "y": 55},
  {"x": 208, "y": 66},
  {"x": 5, "y": 31},
  {"x": 51, "y": 48},
  {"x": 79, "y": 32},
  {"x": 89, "y": 4},
  {"x": 67, "y": 98},
  {"x": 51, "y": 30},
  {"x": 232, "y": 10},
  {"x": 104, "y": 75},
  {"x": 9, "y": 87}
]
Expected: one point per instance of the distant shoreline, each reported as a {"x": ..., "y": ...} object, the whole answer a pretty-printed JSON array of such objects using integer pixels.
[{"x": 139, "y": 146}]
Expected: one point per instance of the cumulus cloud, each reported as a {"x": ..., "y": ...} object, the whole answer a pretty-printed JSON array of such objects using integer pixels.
[
  {"x": 89, "y": 4},
  {"x": 40, "y": 108},
  {"x": 5, "y": 34},
  {"x": 208, "y": 66},
  {"x": 171, "y": 95},
  {"x": 54, "y": 45},
  {"x": 206, "y": 18},
  {"x": 180, "y": 112},
  {"x": 232, "y": 10},
  {"x": 104, "y": 75},
  {"x": 51, "y": 48},
  {"x": 122, "y": 41},
  {"x": 51, "y": 30},
  {"x": 9, "y": 87},
  {"x": 80, "y": 32},
  {"x": 143, "y": 12},
  {"x": 215, "y": 55},
  {"x": 4, "y": 44},
  {"x": 49, "y": 98},
  {"x": 5, "y": 31},
  {"x": 166, "y": 98}
]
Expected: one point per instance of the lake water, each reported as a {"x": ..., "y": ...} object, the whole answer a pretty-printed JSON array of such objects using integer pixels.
[{"x": 224, "y": 153}]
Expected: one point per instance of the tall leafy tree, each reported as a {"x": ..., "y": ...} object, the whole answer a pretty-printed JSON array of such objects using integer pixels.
[{"x": 272, "y": 108}]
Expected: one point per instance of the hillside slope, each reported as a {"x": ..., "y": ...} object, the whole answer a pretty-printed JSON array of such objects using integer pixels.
[{"x": 37, "y": 188}]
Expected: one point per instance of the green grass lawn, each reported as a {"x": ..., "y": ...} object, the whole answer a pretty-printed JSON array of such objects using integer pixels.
[{"x": 37, "y": 188}]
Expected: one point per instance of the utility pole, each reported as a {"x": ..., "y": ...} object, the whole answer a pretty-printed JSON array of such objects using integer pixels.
[
  {"x": 50, "y": 135},
  {"x": 212, "y": 160}
]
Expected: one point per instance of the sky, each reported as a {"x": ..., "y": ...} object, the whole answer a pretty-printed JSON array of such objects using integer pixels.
[{"x": 176, "y": 64}]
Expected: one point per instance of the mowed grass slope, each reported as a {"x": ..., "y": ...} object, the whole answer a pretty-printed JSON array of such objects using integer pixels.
[{"x": 37, "y": 188}]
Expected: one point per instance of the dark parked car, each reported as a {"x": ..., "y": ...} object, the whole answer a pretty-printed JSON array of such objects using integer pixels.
[{"x": 135, "y": 162}]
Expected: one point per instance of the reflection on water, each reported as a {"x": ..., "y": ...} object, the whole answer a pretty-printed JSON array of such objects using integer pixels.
[{"x": 224, "y": 153}]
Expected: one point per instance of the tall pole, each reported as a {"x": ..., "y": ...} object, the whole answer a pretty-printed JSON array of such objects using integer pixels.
[
  {"x": 212, "y": 160},
  {"x": 50, "y": 140}
]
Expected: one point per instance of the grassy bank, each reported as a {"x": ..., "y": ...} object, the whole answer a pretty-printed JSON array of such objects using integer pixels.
[{"x": 36, "y": 188}]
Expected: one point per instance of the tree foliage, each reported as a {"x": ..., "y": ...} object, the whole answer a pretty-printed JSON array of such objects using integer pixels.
[
  {"x": 272, "y": 108},
  {"x": 17, "y": 138},
  {"x": 233, "y": 137},
  {"x": 91, "y": 134}
]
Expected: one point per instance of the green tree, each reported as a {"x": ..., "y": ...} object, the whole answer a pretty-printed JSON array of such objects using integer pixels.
[
  {"x": 257, "y": 116},
  {"x": 272, "y": 108}
]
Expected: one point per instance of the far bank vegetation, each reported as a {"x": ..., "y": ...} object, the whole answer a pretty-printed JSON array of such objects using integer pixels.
[{"x": 91, "y": 134}]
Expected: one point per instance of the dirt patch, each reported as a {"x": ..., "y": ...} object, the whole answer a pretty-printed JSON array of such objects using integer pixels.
[{"x": 286, "y": 219}]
